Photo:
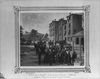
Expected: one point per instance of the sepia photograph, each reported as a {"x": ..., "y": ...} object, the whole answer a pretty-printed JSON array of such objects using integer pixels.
[{"x": 51, "y": 38}]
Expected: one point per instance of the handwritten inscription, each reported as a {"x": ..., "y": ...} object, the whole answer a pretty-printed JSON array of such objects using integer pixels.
[{"x": 50, "y": 75}]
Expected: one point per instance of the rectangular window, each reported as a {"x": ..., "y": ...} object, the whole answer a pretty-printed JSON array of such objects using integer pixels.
[
  {"x": 77, "y": 40},
  {"x": 82, "y": 41},
  {"x": 69, "y": 32},
  {"x": 65, "y": 27}
]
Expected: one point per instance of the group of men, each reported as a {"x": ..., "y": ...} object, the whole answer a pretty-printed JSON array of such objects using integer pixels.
[{"x": 54, "y": 54}]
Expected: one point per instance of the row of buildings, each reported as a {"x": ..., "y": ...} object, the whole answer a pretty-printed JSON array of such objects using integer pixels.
[{"x": 70, "y": 30}]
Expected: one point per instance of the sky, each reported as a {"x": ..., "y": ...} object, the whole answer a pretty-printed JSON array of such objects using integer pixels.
[{"x": 39, "y": 21}]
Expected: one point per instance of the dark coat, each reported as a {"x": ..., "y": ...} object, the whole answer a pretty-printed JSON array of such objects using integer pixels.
[
  {"x": 74, "y": 56},
  {"x": 69, "y": 58}
]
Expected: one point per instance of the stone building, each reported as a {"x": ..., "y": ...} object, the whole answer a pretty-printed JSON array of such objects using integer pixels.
[
  {"x": 74, "y": 25},
  {"x": 75, "y": 32},
  {"x": 54, "y": 31},
  {"x": 65, "y": 31},
  {"x": 62, "y": 22},
  {"x": 33, "y": 36}
]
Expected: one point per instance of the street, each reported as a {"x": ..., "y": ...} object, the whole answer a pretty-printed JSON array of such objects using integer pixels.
[{"x": 29, "y": 58}]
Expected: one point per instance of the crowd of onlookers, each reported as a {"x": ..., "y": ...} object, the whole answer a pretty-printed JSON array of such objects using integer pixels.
[{"x": 54, "y": 54}]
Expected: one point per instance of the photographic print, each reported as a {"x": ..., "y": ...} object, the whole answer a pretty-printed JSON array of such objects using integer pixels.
[{"x": 52, "y": 37}]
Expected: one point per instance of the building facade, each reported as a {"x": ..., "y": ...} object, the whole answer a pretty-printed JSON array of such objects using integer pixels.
[
  {"x": 75, "y": 33},
  {"x": 78, "y": 40},
  {"x": 65, "y": 32},
  {"x": 68, "y": 31},
  {"x": 74, "y": 25},
  {"x": 54, "y": 31},
  {"x": 62, "y": 23}
]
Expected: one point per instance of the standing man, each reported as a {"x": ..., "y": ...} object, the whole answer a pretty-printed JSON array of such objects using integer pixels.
[
  {"x": 36, "y": 48},
  {"x": 63, "y": 56},
  {"x": 39, "y": 54},
  {"x": 66, "y": 55},
  {"x": 74, "y": 56},
  {"x": 46, "y": 55},
  {"x": 50, "y": 56},
  {"x": 69, "y": 58}
]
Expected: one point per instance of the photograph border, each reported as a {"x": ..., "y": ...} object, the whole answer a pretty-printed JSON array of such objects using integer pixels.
[{"x": 85, "y": 68}]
